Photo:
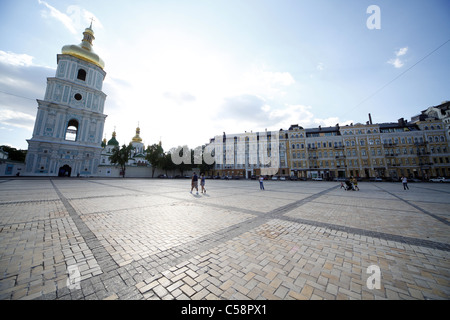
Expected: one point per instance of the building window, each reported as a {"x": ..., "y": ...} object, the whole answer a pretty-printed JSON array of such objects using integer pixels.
[
  {"x": 81, "y": 74},
  {"x": 72, "y": 130}
]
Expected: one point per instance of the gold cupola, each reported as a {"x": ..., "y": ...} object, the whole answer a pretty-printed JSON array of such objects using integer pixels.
[
  {"x": 137, "y": 138},
  {"x": 84, "y": 50}
]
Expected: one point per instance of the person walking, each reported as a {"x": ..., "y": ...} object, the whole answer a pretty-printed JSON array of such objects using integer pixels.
[
  {"x": 202, "y": 182},
  {"x": 405, "y": 183},
  {"x": 261, "y": 183},
  {"x": 355, "y": 183},
  {"x": 194, "y": 182}
]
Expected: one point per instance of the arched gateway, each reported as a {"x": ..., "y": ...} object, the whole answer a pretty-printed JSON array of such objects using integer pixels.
[{"x": 65, "y": 171}]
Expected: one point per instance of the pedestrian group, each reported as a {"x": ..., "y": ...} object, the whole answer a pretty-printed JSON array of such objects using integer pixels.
[{"x": 194, "y": 182}]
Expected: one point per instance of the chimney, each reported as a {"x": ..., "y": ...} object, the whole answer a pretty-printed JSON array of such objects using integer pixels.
[{"x": 370, "y": 119}]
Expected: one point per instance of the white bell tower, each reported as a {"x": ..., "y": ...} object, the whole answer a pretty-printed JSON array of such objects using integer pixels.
[{"x": 69, "y": 124}]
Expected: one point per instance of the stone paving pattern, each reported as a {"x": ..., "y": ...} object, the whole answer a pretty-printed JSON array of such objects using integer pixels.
[{"x": 152, "y": 239}]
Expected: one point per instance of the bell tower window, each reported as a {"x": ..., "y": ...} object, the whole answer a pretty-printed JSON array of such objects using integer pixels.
[
  {"x": 81, "y": 74},
  {"x": 72, "y": 130}
]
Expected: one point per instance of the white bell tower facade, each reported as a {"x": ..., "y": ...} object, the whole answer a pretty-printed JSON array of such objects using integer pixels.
[{"x": 69, "y": 124}]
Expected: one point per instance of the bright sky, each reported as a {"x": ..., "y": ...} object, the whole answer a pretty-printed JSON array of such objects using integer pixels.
[{"x": 188, "y": 70}]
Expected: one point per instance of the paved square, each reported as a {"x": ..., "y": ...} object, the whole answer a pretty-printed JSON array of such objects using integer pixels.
[{"x": 69, "y": 238}]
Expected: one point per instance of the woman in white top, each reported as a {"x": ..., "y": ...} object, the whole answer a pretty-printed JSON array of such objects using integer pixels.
[{"x": 405, "y": 183}]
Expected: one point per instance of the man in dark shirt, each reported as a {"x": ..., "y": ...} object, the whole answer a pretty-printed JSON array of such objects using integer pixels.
[{"x": 194, "y": 183}]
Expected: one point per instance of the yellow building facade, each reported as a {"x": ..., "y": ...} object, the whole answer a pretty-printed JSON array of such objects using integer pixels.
[
  {"x": 387, "y": 150},
  {"x": 417, "y": 149}
]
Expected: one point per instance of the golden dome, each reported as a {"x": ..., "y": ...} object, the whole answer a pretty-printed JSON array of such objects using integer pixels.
[
  {"x": 84, "y": 50},
  {"x": 137, "y": 138}
]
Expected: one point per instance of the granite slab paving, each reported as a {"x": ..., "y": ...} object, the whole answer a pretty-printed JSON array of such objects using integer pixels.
[{"x": 136, "y": 239}]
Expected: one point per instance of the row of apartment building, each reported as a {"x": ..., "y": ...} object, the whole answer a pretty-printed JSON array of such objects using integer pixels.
[{"x": 417, "y": 149}]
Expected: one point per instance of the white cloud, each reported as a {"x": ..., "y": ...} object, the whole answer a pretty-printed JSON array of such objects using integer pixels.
[
  {"x": 75, "y": 20},
  {"x": 268, "y": 83},
  {"x": 17, "y": 119},
  {"x": 397, "y": 62},
  {"x": 247, "y": 112},
  {"x": 401, "y": 52},
  {"x": 16, "y": 59},
  {"x": 58, "y": 15},
  {"x": 179, "y": 98}
]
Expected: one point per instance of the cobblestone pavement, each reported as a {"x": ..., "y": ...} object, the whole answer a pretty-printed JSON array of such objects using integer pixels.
[{"x": 152, "y": 239}]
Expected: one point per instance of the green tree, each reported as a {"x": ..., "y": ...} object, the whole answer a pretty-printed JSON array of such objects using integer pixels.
[
  {"x": 120, "y": 156},
  {"x": 14, "y": 154},
  {"x": 155, "y": 156},
  {"x": 167, "y": 163}
]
